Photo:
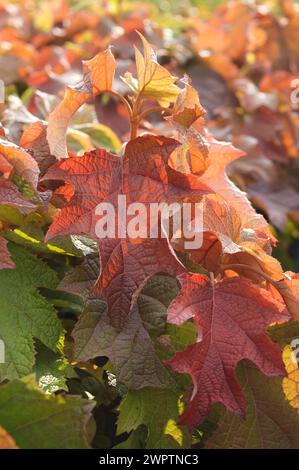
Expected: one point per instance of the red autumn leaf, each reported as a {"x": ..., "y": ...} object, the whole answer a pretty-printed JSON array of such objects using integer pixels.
[
  {"x": 142, "y": 175},
  {"x": 213, "y": 172},
  {"x": 209, "y": 255},
  {"x": 242, "y": 238},
  {"x": 34, "y": 138},
  {"x": 235, "y": 230},
  {"x": 10, "y": 196},
  {"x": 231, "y": 317},
  {"x": 221, "y": 154},
  {"x": 5, "y": 259}
]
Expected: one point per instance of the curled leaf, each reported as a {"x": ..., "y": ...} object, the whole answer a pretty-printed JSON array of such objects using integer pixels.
[
  {"x": 22, "y": 162},
  {"x": 98, "y": 77}
]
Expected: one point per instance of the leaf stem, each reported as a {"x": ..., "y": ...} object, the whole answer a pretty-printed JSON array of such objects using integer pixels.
[
  {"x": 235, "y": 267},
  {"x": 130, "y": 109},
  {"x": 154, "y": 109},
  {"x": 121, "y": 98}
]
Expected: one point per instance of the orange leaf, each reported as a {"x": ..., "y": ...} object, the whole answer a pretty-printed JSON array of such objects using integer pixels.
[
  {"x": 98, "y": 77},
  {"x": 23, "y": 163},
  {"x": 153, "y": 80}
]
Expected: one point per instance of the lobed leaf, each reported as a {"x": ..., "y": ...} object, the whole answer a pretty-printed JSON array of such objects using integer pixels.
[
  {"x": 25, "y": 314},
  {"x": 270, "y": 422},
  {"x": 231, "y": 317},
  {"x": 39, "y": 421}
]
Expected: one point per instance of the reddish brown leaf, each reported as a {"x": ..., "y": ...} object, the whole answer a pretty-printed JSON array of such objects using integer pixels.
[
  {"x": 10, "y": 196},
  {"x": 231, "y": 317},
  {"x": 209, "y": 255},
  {"x": 221, "y": 154},
  {"x": 143, "y": 175},
  {"x": 35, "y": 138},
  {"x": 5, "y": 259},
  {"x": 82, "y": 278}
]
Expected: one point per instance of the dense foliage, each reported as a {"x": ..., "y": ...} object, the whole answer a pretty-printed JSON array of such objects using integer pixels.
[{"x": 146, "y": 343}]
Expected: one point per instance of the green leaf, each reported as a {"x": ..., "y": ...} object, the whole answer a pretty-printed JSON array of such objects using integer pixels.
[
  {"x": 6, "y": 441},
  {"x": 39, "y": 421},
  {"x": 24, "y": 313},
  {"x": 181, "y": 335},
  {"x": 270, "y": 422},
  {"x": 131, "y": 350},
  {"x": 82, "y": 278},
  {"x": 101, "y": 136},
  {"x": 31, "y": 236},
  {"x": 154, "y": 299},
  {"x": 64, "y": 301},
  {"x": 159, "y": 411},
  {"x": 11, "y": 215},
  {"x": 284, "y": 333},
  {"x": 52, "y": 369},
  {"x": 136, "y": 439}
]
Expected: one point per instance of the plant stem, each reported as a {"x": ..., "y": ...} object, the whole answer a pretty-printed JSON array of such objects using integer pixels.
[
  {"x": 134, "y": 129},
  {"x": 135, "y": 117}
]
